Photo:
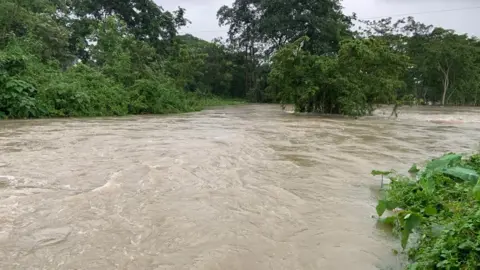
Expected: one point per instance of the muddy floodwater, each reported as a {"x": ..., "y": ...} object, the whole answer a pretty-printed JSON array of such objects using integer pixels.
[{"x": 244, "y": 187}]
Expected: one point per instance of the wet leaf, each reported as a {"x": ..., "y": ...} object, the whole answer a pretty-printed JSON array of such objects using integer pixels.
[
  {"x": 430, "y": 210},
  {"x": 413, "y": 266},
  {"x": 388, "y": 220},
  {"x": 443, "y": 162},
  {"x": 412, "y": 220},
  {"x": 413, "y": 169},
  {"x": 404, "y": 238},
  {"x": 464, "y": 174},
  {"x": 381, "y": 207},
  {"x": 476, "y": 191},
  {"x": 391, "y": 205},
  {"x": 384, "y": 173},
  {"x": 428, "y": 184}
]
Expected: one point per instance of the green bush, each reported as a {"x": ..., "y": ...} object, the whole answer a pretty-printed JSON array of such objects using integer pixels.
[
  {"x": 437, "y": 213},
  {"x": 117, "y": 74},
  {"x": 84, "y": 91},
  {"x": 17, "y": 97},
  {"x": 154, "y": 96}
]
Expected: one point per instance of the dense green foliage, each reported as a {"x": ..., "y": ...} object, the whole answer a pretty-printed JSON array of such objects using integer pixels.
[
  {"x": 83, "y": 58},
  {"x": 364, "y": 72},
  {"x": 436, "y": 213},
  {"x": 444, "y": 65},
  {"x": 92, "y": 58}
]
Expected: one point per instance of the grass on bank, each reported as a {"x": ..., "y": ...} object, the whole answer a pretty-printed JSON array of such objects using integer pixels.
[{"x": 436, "y": 212}]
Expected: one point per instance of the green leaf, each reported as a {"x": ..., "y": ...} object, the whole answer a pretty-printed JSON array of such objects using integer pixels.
[
  {"x": 428, "y": 184},
  {"x": 404, "y": 237},
  {"x": 476, "y": 191},
  {"x": 412, "y": 220},
  {"x": 413, "y": 266},
  {"x": 381, "y": 207},
  {"x": 466, "y": 245},
  {"x": 443, "y": 163},
  {"x": 464, "y": 174},
  {"x": 413, "y": 169},
  {"x": 388, "y": 220},
  {"x": 391, "y": 205},
  {"x": 430, "y": 210},
  {"x": 384, "y": 173}
]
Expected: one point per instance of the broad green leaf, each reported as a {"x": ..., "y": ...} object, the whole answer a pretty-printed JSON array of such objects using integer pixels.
[
  {"x": 413, "y": 169},
  {"x": 413, "y": 266},
  {"x": 391, "y": 205},
  {"x": 381, "y": 207},
  {"x": 443, "y": 163},
  {"x": 430, "y": 210},
  {"x": 404, "y": 237},
  {"x": 412, "y": 220},
  {"x": 384, "y": 173},
  {"x": 464, "y": 174},
  {"x": 385, "y": 205},
  {"x": 388, "y": 220},
  {"x": 428, "y": 184}
]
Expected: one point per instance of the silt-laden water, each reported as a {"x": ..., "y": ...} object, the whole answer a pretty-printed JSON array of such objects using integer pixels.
[{"x": 247, "y": 187}]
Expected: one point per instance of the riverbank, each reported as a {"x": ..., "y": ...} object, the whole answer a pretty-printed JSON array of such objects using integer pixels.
[
  {"x": 181, "y": 103},
  {"x": 436, "y": 212}
]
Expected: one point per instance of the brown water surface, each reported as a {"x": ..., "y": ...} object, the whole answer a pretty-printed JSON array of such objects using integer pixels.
[{"x": 247, "y": 187}]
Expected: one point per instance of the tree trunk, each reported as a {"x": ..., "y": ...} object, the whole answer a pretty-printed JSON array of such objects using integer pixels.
[
  {"x": 252, "y": 71},
  {"x": 445, "y": 88},
  {"x": 446, "y": 82},
  {"x": 247, "y": 88}
]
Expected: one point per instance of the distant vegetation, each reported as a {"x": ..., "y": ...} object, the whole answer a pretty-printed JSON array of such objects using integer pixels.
[
  {"x": 93, "y": 58},
  {"x": 89, "y": 58},
  {"x": 436, "y": 213},
  {"x": 317, "y": 60}
]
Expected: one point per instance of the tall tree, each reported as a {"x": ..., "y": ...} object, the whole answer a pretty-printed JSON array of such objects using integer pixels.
[
  {"x": 259, "y": 28},
  {"x": 144, "y": 19},
  {"x": 364, "y": 73},
  {"x": 278, "y": 22}
]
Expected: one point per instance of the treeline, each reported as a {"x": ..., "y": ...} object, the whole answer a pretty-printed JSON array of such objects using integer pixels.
[
  {"x": 103, "y": 57},
  {"x": 322, "y": 60}
]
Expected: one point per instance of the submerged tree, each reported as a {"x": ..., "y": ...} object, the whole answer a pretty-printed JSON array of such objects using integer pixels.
[
  {"x": 365, "y": 72},
  {"x": 260, "y": 28}
]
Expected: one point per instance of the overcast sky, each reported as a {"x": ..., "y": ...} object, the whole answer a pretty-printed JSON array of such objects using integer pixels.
[{"x": 202, "y": 13}]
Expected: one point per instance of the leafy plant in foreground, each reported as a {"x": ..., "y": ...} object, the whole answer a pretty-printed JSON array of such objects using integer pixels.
[{"x": 437, "y": 213}]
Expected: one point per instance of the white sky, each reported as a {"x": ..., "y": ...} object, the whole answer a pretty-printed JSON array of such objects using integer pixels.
[{"x": 202, "y": 13}]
